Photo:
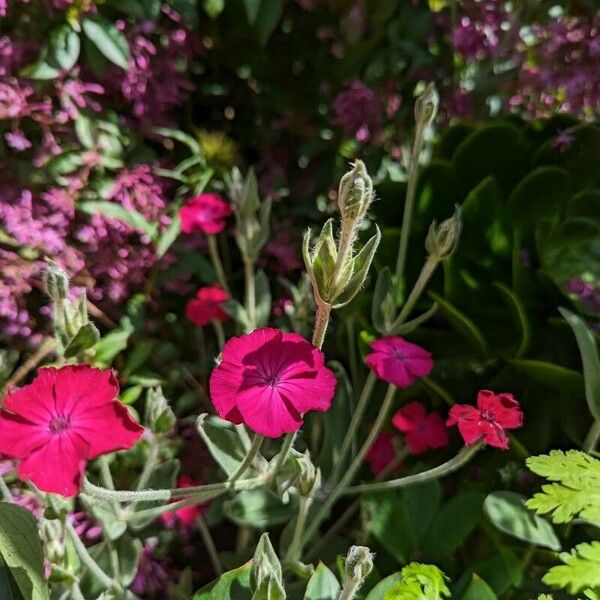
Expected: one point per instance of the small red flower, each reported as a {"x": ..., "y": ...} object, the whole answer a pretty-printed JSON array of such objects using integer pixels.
[
  {"x": 185, "y": 517},
  {"x": 206, "y": 306},
  {"x": 487, "y": 422},
  {"x": 63, "y": 419},
  {"x": 381, "y": 453},
  {"x": 422, "y": 431},
  {"x": 205, "y": 213},
  {"x": 399, "y": 362},
  {"x": 268, "y": 380}
]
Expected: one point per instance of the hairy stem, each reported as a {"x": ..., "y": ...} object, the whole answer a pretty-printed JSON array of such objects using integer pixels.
[
  {"x": 321, "y": 323},
  {"x": 249, "y": 458},
  {"x": 215, "y": 258},
  {"x": 209, "y": 544},
  {"x": 295, "y": 548},
  {"x": 219, "y": 333},
  {"x": 250, "y": 291}
]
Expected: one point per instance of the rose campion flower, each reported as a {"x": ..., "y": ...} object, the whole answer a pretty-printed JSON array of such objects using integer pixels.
[
  {"x": 185, "y": 517},
  {"x": 487, "y": 422},
  {"x": 381, "y": 453},
  {"x": 63, "y": 419},
  {"x": 206, "y": 306},
  {"x": 205, "y": 213},
  {"x": 399, "y": 362},
  {"x": 422, "y": 431},
  {"x": 268, "y": 379}
]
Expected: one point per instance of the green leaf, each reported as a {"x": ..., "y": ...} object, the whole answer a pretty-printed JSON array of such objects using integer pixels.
[
  {"x": 383, "y": 306},
  {"x": 380, "y": 590},
  {"x": 421, "y": 503},
  {"x": 269, "y": 15},
  {"x": 589, "y": 356},
  {"x": 322, "y": 585},
  {"x": 238, "y": 313},
  {"x": 265, "y": 562},
  {"x": 233, "y": 585},
  {"x": 419, "y": 582},
  {"x": 60, "y": 55},
  {"x": 170, "y": 234},
  {"x": 180, "y": 136},
  {"x": 21, "y": 550},
  {"x": 478, "y": 589},
  {"x": 551, "y": 375},
  {"x": 84, "y": 339},
  {"x": 581, "y": 569},
  {"x": 108, "y": 40},
  {"x": 113, "y": 343},
  {"x": 576, "y": 491},
  {"x": 113, "y": 210},
  {"x": 507, "y": 511},
  {"x": 259, "y": 509},
  {"x": 263, "y": 299},
  {"x": 222, "y": 441},
  {"x": 213, "y": 8},
  {"x": 461, "y": 324},
  {"x": 7, "y": 584},
  {"x": 519, "y": 315},
  {"x": 252, "y": 8}
]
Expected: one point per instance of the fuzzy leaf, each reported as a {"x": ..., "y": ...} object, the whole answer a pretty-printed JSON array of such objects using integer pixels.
[{"x": 322, "y": 585}]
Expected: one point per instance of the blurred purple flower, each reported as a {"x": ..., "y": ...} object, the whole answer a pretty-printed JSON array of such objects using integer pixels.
[
  {"x": 358, "y": 112},
  {"x": 17, "y": 140}
]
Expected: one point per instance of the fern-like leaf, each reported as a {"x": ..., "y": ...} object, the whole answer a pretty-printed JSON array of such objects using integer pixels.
[
  {"x": 419, "y": 582},
  {"x": 580, "y": 571}
]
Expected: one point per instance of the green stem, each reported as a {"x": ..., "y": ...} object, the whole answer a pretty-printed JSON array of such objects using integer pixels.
[
  {"x": 105, "y": 473},
  {"x": 219, "y": 333},
  {"x": 413, "y": 171},
  {"x": 295, "y": 549},
  {"x": 249, "y": 458},
  {"x": 592, "y": 438},
  {"x": 321, "y": 323},
  {"x": 151, "y": 461},
  {"x": 213, "y": 250},
  {"x": 350, "y": 588},
  {"x": 357, "y": 417},
  {"x": 287, "y": 445},
  {"x": 209, "y": 545},
  {"x": 250, "y": 292},
  {"x": 463, "y": 457},
  {"x": 348, "y": 476}
]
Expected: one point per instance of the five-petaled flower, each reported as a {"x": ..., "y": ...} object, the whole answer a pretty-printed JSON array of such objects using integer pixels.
[
  {"x": 205, "y": 213},
  {"x": 422, "y": 431},
  {"x": 268, "y": 379},
  {"x": 207, "y": 306},
  {"x": 494, "y": 414},
  {"x": 64, "y": 418},
  {"x": 399, "y": 362},
  {"x": 382, "y": 453}
]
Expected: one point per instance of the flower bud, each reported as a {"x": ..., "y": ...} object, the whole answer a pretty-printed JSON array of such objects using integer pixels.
[
  {"x": 355, "y": 193},
  {"x": 426, "y": 105},
  {"x": 56, "y": 282},
  {"x": 159, "y": 415},
  {"x": 359, "y": 563},
  {"x": 309, "y": 479},
  {"x": 265, "y": 565},
  {"x": 442, "y": 240}
]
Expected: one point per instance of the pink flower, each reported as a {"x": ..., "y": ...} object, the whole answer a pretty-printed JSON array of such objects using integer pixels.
[
  {"x": 381, "y": 453},
  {"x": 399, "y": 362},
  {"x": 206, "y": 213},
  {"x": 64, "y": 418},
  {"x": 422, "y": 431},
  {"x": 487, "y": 422},
  {"x": 186, "y": 517},
  {"x": 206, "y": 306},
  {"x": 268, "y": 379}
]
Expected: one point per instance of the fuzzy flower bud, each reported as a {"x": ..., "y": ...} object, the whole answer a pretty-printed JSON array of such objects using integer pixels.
[
  {"x": 355, "y": 193},
  {"x": 359, "y": 563},
  {"x": 159, "y": 415},
  {"x": 266, "y": 570},
  {"x": 426, "y": 106},
  {"x": 56, "y": 283},
  {"x": 442, "y": 240},
  {"x": 309, "y": 480}
]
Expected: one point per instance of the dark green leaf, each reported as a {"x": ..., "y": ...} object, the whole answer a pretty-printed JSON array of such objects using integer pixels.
[
  {"x": 268, "y": 18},
  {"x": 551, "y": 375},
  {"x": 108, "y": 40},
  {"x": 233, "y": 585},
  {"x": 84, "y": 339}
]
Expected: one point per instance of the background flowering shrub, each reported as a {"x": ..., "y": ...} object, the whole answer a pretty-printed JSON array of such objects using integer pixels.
[{"x": 120, "y": 124}]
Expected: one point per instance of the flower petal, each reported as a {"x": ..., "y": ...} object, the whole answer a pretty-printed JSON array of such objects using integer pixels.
[
  {"x": 405, "y": 418},
  {"x": 58, "y": 466},
  {"x": 19, "y": 437},
  {"x": 80, "y": 387},
  {"x": 35, "y": 401},
  {"x": 493, "y": 435}
]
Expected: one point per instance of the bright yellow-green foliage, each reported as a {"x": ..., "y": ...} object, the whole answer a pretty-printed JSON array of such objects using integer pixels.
[
  {"x": 577, "y": 488},
  {"x": 419, "y": 582},
  {"x": 581, "y": 569}
]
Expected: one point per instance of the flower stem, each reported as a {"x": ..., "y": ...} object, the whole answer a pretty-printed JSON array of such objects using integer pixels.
[
  {"x": 592, "y": 438},
  {"x": 287, "y": 445},
  {"x": 359, "y": 412},
  {"x": 249, "y": 458},
  {"x": 213, "y": 250},
  {"x": 219, "y": 333},
  {"x": 250, "y": 291},
  {"x": 326, "y": 507},
  {"x": 349, "y": 590},
  {"x": 150, "y": 463},
  {"x": 295, "y": 548},
  {"x": 413, "y": 171},
  {"x": 321, "y": 323},
  {"x": 463, "y": 457},
  {"x": 209, "y": 545}
]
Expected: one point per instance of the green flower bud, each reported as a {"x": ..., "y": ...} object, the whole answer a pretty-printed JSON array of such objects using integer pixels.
[
  {"x": 309, "y": 480},
  {"x": 442, "y": 240},
  {"x": 426, "y": 106},
  {"x": 265, "y": 565},
  {"x": 355, "y": 193},
  {"x": 56, "y": 283},
  {"x": 359, "y": 563},
  {"x": 159, "y": 415}
]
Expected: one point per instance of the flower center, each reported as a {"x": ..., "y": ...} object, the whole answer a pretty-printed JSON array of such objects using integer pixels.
[
  {"x": 60, "y": 424},
  {"x": 487, "y": 415},
  {"x": 271, "y": 380}
]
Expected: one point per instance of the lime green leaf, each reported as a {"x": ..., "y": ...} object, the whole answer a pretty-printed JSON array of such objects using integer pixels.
[
  {"x": 581, "y": 569},
  {"x": 507, "y": 511},
  {"x": 380, "y": 590},
  {"x": 233, "y": 584},
  {"x": 419, "y": 582},
  {"x": 21, "y": 550},
  {"x": 576, "y": 491},
  {"x": 322, "y": 585},
  {"x": 108, "y": 39},
  {"x": 589, "y": 356}
]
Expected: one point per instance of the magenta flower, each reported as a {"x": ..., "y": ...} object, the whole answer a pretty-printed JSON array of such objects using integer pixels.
[
  {"x": 64, "y": 418},
  {"x": 487, "y": 422},
  {"x": 205, "y": 213},
  {"x": 422, "y": 431},
  {"x": 382, "y": 452},
  {"x": 268, "y": 379},
  {"x": 207, "y": 306},
  {"x": 399, "y": 362}
]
